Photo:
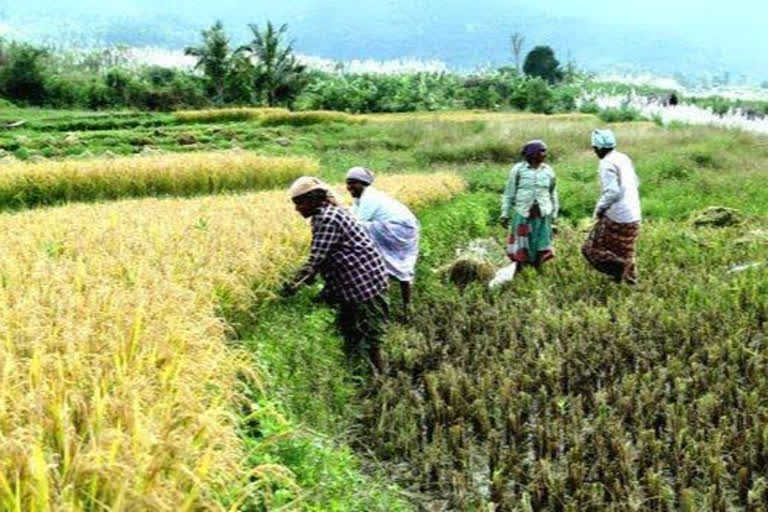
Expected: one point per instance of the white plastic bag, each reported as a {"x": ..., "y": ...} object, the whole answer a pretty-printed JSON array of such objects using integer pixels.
[{"x": 503, "y": 275}]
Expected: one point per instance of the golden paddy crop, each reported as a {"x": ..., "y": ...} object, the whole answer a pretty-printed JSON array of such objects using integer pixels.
[
  {"x": 309, "y": 117},
  {"x": 116, "y": 383},
  {"x": 224, "y": 114},
  {"x": 266, "y": 116},
  {"x": 25, "y": 184}
]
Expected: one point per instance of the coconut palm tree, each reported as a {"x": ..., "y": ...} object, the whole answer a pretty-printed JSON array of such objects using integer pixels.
[
  {"x": 277, "y": 75},
  {"x": 214, "y": 57}
]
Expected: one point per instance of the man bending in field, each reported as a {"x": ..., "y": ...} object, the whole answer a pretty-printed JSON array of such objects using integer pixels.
[
  {"x": 610, "y": 246},
  {"x": 355, "y": 277},
  {"x": 393, "y": 229}
]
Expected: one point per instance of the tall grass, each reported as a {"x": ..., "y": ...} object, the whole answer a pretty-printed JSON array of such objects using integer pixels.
[
  {"x": 30, "y": 184},
  {"x": 117, "y": 385}
]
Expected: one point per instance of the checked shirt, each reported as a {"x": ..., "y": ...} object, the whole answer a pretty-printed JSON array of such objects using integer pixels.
[{"x": 343, "y": 254}]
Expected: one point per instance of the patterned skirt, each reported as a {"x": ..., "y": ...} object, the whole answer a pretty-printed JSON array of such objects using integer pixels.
[
  {"x": 530, "y": 239},
  {"x": 610, "y": 249}
]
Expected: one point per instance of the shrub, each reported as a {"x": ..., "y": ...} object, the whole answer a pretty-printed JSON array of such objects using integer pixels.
[
  {"x": 619, "y": 115},
  {"x": 540, "y": 97},
  {"x": 22, "y": 77}
]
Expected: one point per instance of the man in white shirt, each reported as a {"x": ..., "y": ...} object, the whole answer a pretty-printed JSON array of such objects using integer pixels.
[
  {"x": 391, "y": 226},
  {"x": 610, "y": 247}
]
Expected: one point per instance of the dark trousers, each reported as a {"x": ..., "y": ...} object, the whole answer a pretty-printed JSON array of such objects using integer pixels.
[{"x": 362, "y": 325}]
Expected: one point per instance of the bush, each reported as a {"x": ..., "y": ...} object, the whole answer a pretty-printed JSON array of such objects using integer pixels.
[
  {"x": 540, "y": 96},
  {"x": 33, "y": 76},
  {"x": 619, "y": 115},
  {"x": 66, "y": 91},
  {"x": 565, "y": 98},
  {"x": 490, "y": 92},
  {"x": 22, "y": 78},
  {"x": 368, "y": 93}
]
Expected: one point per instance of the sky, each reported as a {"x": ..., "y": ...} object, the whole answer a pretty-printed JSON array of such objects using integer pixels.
[
  {"x": 732, "y": 22},
  {"x": 734, "y": 19}
]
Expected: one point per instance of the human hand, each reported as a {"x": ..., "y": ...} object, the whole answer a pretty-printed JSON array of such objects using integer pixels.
[
  {"x": 323, "y": 297},
  {"x": 288, "y": 290}
]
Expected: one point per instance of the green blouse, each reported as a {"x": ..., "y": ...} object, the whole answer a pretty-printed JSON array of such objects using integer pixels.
[{"x": 527, "y": 185}]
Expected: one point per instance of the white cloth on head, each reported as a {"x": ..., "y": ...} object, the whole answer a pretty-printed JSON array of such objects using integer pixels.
[
  {"x": 361, "y": 174},
  {"x": 393, "y": 229},
  {"x": 619, "y": 197},
  {"x": 307, "y": 184}
]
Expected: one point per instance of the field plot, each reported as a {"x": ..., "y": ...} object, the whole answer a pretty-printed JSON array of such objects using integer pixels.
[
  {"x": 266, "y": 116},
  {"x": 566, "y": 392},
  {"x": 118, "y": 388},
  {"x": 143, "y": 364},
  {"x": 31, "y": 184},
  {"x": 472, "y": 115},
  {"x": 225, "y": 114}
]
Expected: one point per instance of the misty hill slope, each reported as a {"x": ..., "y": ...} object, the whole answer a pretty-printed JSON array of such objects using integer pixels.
[{"x": 464, "y": 37}]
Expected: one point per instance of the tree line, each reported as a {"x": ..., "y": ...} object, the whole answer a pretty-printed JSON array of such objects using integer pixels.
[{"x": 266, "y": 71}]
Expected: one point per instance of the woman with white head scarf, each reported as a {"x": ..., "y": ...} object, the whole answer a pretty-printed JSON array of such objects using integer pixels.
[{"x": 390, "y": 224}]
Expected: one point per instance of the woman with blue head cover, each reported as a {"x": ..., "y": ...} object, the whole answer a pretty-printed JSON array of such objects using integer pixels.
[{"x": 610, "y": 247}]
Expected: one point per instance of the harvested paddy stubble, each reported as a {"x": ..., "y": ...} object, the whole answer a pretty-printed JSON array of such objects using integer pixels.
[
  {"x": 118, "y": 389},
  {"x": 23, "y": 184},
  {"x": 566, "y": 392}
]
